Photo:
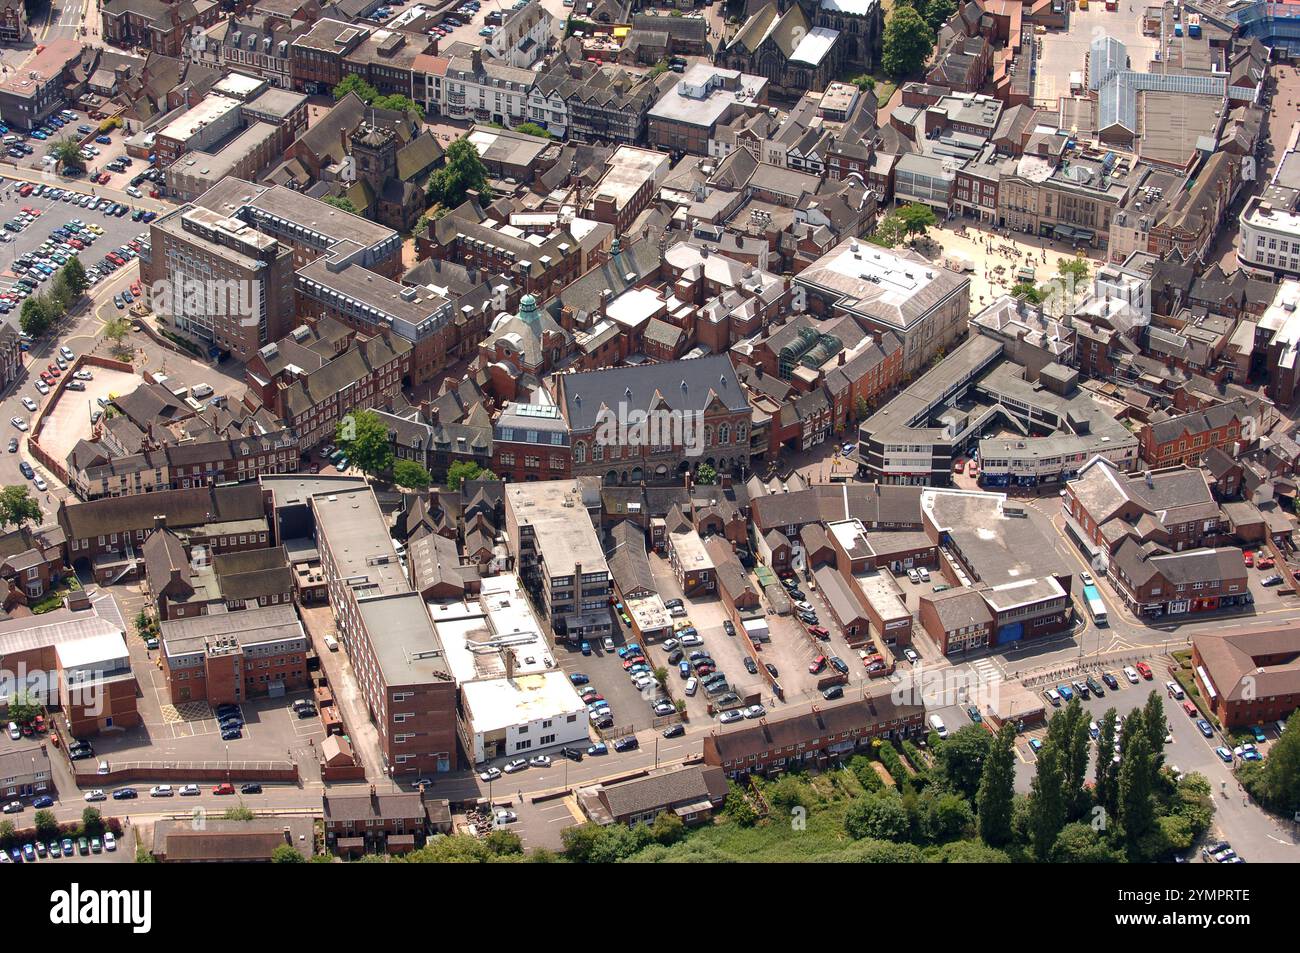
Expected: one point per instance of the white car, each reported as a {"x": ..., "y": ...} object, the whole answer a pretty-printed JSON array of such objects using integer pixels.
[
  {"x": 189, "y": 790},
  {"x": 29, "y": 404},
  {"x": 110, "y": 842},
  {"x": 518, "y": 764},
  {"x": 132, "y": 191},
  {"x": 491, "y": 774},
  {"x": 161, "y": 790},
  {"x": 911, "y": 656},
  {"x": 1131, "y": 674},
  {"x": 540, "y": 761},
  {"x": 96, "y": 795},
  {"x": 42, "y": 388},
  {"x": 40, "y": 484},
  {"x": 805, "y": 606},
  {"x": 690, "y": 641},
  {"x": 505, "y": 817},
  {"x": 18, "y": 422},
  {"x": 84, "y": 375}
]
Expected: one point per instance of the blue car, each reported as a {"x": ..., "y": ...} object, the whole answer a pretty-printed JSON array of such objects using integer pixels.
[
  {"x": 43, "y": 801},
  {"x": 231, "y": 734},
  {"x": 1206, "y": 728},
  {"x": 1035, "y": 744},
  {"x": 1258, "y": 732},
  {"x": 29, "y": 853},
  {"x": 1065, "y": 692},
  {"x": 598, "y": 748},
  {"x": 685, "y": 669},
  {"x": 577, "y": 678},
  {"x": 586, "y": 648},
  {"x": 125, "y": 794},
  {"x": 103, "y": 140},
  {"x": 1224, "y": 754}
]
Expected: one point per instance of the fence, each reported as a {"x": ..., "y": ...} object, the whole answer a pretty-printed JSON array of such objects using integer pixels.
[{"x": 190, "y": 771}]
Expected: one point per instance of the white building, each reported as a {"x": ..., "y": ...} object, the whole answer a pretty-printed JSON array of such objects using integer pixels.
[
  {"x": 523, "y": 36},
  {"x": 1268, "y": 241},
  {"x": 516, "y": 701}
]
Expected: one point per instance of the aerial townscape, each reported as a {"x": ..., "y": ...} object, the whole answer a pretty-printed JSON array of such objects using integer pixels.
[{"x": 586, "y": 431}]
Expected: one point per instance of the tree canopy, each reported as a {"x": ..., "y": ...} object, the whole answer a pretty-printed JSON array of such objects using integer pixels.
[
  {"x": 907, "y": 44},
  {"x": 462, "y": 172},
  {"x": 17, "y": 507},
  {"x": 364, "y": 438}
]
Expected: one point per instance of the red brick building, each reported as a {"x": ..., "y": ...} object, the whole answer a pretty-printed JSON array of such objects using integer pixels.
[
  {"x": 231, "y": 657},
  {"x": 817, "y": 738},
  {"x": 1248, "y": 677},
  {"x": 1187, "y": 438}
]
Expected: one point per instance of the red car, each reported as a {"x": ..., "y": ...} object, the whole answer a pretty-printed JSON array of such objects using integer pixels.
[
  {"x": 224, "y": 789},
  {"x": 45, "y": 376},
  {"x": 820, "y": 631},
  {"x": 634, "y": 660},
  {"x": 1264, "y": 562},
  {"x": 25, "y": 189},
  {"x": 1248, "y": 557},
  {"x": 817, "y": 665},
  {"x": 1191, "y": 710},
  {"x": 1144, "y": 670},
  {"x": 54, "y": 370}
]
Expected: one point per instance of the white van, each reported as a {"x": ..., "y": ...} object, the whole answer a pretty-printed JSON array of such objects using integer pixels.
[
  {"x": 1053, "y": 697},
  {"x": 1174, "y": 689},
  {"x": 938, "y": 727},
  {"x": 331, "y": 643},
  {"x": 201, "y": 390}
]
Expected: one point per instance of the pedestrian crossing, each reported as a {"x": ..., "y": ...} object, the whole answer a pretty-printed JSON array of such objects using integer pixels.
[{"x": 986, "y": 670}]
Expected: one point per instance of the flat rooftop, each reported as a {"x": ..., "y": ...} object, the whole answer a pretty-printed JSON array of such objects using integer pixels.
[
  {"x": 1000, "y": 546},
  {"x": 564, "y": 534},
  {"x": 403, "y": 639},
  {"x": 356, "y": 532},
  {"x": 189, "y": 123},
  {"x": 629, "y": 168},
  {"x": 706, "y": 93}
]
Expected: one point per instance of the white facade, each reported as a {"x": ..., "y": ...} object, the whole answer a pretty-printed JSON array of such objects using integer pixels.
[{"x": 1268, "y": 241}]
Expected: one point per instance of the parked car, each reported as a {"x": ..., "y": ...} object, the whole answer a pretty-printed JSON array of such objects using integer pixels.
[{"x": 1205, "y": 727}]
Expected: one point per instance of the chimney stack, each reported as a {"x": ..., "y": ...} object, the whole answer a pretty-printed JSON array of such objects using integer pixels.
[{"x": 160, "y": 521}]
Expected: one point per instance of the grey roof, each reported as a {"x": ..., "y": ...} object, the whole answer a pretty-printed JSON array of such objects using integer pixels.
[
  {"x": 684, "y": 785},
  {"x": 684, "y": 385}
]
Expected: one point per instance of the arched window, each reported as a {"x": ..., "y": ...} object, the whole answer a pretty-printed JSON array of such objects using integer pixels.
[
  {"x": 580, "y": 453},
  {"x": 597, "y": 452},
  {"x": 724, "y": 433}
]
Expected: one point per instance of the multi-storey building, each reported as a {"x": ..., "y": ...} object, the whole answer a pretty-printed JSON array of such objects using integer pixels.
[
  {"x": 1186, "y": 438},
  {"x": 559, "y": 556},
  {"x": 923, "y": 306},
  {"x": 694, "y": 412},
  {"x": 316, "y": 58},
  {"x": 687, "y": 116},
  {"x": 159, "y": 27},
  {"x": 1268, "y": 237},
  {"x": 228, "y": 658},
  {"x": 1248, "y": 677},
  {"x": 389, "y": 637},
  {"x": 29, "y": 95}
]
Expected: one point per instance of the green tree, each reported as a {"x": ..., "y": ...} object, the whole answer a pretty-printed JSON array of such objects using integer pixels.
[
  {"x": 915, "y": 219},
  {"x": 117, "y": 330},
  {"x": 706, "y": 475},
  {"x": 23, "y": 709},
  {"x": 47, "y": 825},
  {"x": 463, "y": 470},
  {"x": 69, "y": 155},
  {"x": 579, "y": 841},
  {"x": 34, "y": 317},
  {"x": 1074, "y": 268},
  {"x": 364, "y": 438},
  {"x": 878, "y": 816},
  {"x": 341, "y": 202},
  {"x": 1028, "y": 290},
  {"x": 411, "y": 475},
  {"x": 1156, "y": 726},
  {"x": 17, "y": 507},
  {"x": 1276, "y": 780},
  {"x": 1106, "y": 774},
  {"x": 1046, "y": 800},
  {"x": 503, "y": 843},
  {"x": 997, "y": 788},
  {"x": 945, "y": 815},
  {"x": 937, "y": 12},
  {"x": 532, "y": 129},
  {"x": 92, "y": 822},
  {"x": 75, "y": 274},
  {"x": 1136, "y": 808},
  {"x": 352, "y": 83},
  {"x": 286, "y": 854},
  {"x": 668, "y": 828},
  {"x": 1073, "y": 741},
  {"x": 462, "y": 172},
  {"x": 1080, "y": 844},
  {"x": 907, "y": 44},
  {"x": 398, "y": 103},
  {"x": 961, "y": 759}
]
